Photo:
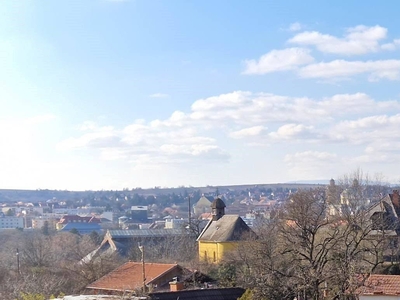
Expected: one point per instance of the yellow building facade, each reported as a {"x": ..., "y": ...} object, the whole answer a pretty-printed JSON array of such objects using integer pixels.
[
  {"x": 221, "y": 235},
  {"x": 214, "y": 252}
]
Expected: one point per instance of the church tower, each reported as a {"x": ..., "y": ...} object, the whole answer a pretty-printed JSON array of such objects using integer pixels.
[{"x": 217, "y": 209}]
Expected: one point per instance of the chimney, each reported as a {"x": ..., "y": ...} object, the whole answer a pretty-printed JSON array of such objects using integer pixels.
[
  {"x": 175, "y": 285},
  {"x": 396, "y": 198}
]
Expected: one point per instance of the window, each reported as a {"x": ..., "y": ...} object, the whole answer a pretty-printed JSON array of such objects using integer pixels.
[{"x": 214, "y": 257}]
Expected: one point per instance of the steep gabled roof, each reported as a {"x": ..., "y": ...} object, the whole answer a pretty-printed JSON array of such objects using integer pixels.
[
  {"x": 227, "y": 228},
  {"x": 203, "y": 201},
  {"x": 386, "y": 204},
  {"x": 128, "y": 277}
]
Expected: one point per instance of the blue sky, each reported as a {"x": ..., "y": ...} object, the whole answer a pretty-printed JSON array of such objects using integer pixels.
[{"x": 116, "y": 94}]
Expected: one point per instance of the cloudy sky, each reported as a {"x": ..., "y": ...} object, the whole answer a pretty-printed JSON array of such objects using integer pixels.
[{"x": 112, "y": 94}]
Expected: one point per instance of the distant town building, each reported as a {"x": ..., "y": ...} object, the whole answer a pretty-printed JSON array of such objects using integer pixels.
[
  {"x": 79, "y": 210},
  {"x": 39, "y": 222},
  {"x": 139, "y": 214},
  {"x": 171, "y": 223},
  {"x": 202, "y": 206},
  {"x": 82, "y": 224},
  {"x": 11, "y": 222}
]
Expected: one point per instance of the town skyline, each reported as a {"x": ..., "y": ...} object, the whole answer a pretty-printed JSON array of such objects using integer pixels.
[{"x": 113, "y": 94}]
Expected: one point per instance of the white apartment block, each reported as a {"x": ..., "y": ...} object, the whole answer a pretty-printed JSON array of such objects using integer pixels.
[{"x": 7, "y": 222}]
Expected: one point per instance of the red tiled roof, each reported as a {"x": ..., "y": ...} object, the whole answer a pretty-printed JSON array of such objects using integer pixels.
[
  {"x": 129, "y": 276},
  {"x": 205, "y": 216},
  {"x": 380, "y": 284}
]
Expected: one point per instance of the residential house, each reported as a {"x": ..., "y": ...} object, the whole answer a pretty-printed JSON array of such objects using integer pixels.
[
  {"x": 132, "y": 276},
  {"x": 221, "y": 235},
  {"x": 384, "y": 217},
  {"x": 202, "y": 206},
  {"x": 380, "y": 287}
]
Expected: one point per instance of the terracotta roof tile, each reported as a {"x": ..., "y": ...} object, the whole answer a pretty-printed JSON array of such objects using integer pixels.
[
  {"x": 128, "y": 277},
  {"x": 381, "y": 284}
]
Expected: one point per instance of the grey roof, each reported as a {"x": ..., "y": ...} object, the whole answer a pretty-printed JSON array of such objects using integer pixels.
[
  {"x": 227, "y": 228},
  {"x": 203, "y": 294},
  {"x": 144, "y": 233},
  {"x": 82, "y": 227}
]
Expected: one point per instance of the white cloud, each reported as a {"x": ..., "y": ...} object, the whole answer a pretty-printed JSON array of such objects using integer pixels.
[
  {"x": 391, "y": 46},
  {"x": 309, "y": 156},
  {"x": 342, "y": 69},
  {"x": 96, "y": 137},
  {"x": 278, "y": 60},
  {"x": 312, "y": 164},
  {"x": 353, "y": 120},
  {"x": 293, "y": 131},
  {"x": 248, "y": 132},
  {"x": 295, "y": 26},
  {"x": 368, "y": 130},
  {"x": 357, "y": 40},
  {"x": 156, "y": 141},
  {"x": 159, "y": 95},
  {"x": 253, "y": 109}
]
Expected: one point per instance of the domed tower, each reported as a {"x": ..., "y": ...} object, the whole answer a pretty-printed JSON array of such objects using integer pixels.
[{"x": 217, "y": 209}]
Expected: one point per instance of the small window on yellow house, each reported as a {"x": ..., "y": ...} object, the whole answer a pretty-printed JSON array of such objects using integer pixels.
[
  {"x": 214, "y": 257},
  {"x": 205, "y": 255}
]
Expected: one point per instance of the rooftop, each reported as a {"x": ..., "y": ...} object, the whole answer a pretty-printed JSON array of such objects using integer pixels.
[
  {"x": 128, "y": 277},
  {"x": 227, "y": 228},
  {"x": 381, "y": 284}
]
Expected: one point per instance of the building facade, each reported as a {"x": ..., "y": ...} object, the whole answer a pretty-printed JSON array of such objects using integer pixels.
[{"x": 221, "y": 235}]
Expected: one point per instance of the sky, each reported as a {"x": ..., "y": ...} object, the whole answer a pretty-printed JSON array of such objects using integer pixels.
[{"x": 113, "y": 94}]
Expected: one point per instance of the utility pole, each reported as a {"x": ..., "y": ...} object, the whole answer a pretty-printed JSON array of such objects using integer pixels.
[
  {"x": 190, "y": 216},
  {"x": 141, "y": 248},
  {"x": 17, "y": 262}
]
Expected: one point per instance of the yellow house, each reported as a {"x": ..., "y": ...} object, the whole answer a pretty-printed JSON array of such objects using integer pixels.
[{"x": 221, "y": 235}]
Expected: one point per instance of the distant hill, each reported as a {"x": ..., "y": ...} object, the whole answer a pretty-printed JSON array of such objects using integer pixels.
[
  {"x": 35, "y": 196},
  {"x": 317, "y": 181}
]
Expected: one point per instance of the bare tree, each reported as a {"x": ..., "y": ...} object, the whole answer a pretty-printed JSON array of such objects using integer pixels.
[{"x": 304, "y": 253}]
